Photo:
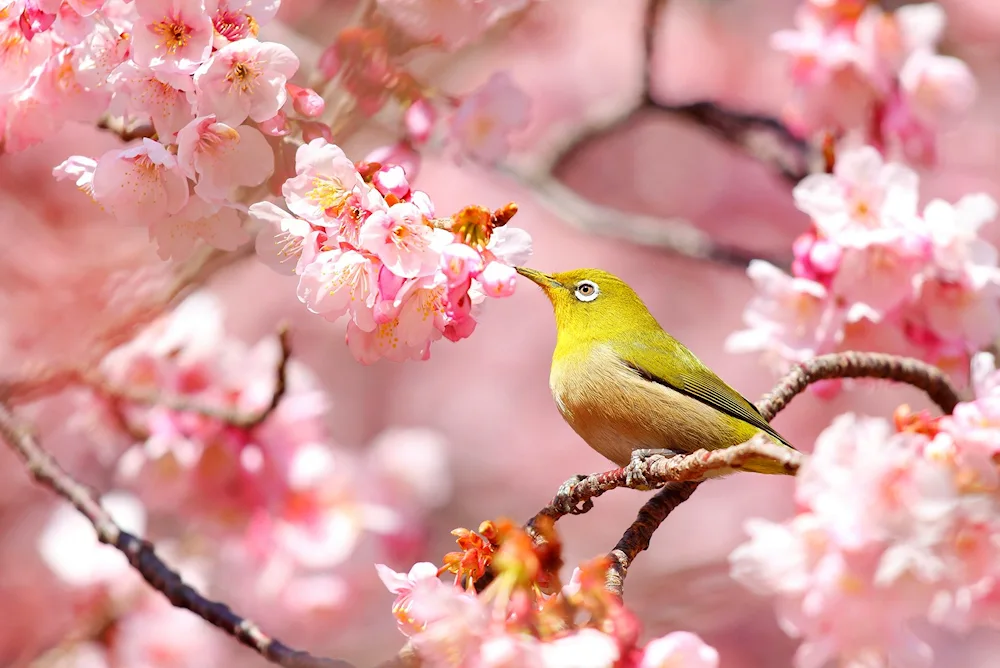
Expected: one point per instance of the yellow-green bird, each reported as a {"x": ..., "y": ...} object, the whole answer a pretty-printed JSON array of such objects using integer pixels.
[{"x": 625, "y": 385}]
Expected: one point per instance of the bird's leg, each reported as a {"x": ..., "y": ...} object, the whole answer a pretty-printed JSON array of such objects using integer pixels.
[
  {"x": 634, "y": 476},
  {"x": 563, "y": 502}
]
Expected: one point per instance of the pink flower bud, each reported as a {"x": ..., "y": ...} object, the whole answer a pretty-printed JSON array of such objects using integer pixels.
[
  {"x": 459, "y": 329},
  {"x": 313, "y": 130},
  {"x": 306, "y": 101},
  {"x": 498, "y": 280},
  {"x": 276, "y": 126},
  {"x": 391, "y": 180},
  {"x": 329, "y": 62},
  {"x": 459, "y": 262},
  {"x": 401, "y": 154},
  {"x": 419, "y": 120},
  {"x": 824, "y": 256}
]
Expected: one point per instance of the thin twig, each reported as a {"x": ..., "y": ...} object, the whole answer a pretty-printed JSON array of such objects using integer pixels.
[
  {"x": 182, "y": 404},
  {"x": 907, "y": 370},
  {"x": 142, "y": 556},
  {"x": 675, "y": 235}
]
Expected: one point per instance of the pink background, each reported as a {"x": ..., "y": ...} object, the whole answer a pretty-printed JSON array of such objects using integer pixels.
[{"x": 580, "y": 61}]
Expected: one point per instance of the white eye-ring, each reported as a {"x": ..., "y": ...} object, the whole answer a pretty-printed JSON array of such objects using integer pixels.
[{"x": 587, "y": 291}]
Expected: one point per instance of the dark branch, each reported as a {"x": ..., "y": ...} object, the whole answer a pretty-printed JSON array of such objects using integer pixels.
[
  {"x": 907, "y": 370},
  {"x": 637, "y": 536},
  {"x": 142, "y": 556}
]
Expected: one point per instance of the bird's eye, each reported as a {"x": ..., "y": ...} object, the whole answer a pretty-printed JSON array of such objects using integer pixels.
[{"x": 586, "y": 291}]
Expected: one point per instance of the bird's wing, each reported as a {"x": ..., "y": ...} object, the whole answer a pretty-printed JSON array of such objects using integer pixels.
[{"x": 692, "y": 378}]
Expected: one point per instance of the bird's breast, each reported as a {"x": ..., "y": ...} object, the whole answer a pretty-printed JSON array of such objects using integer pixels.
[{"x": 616, "y": 411}]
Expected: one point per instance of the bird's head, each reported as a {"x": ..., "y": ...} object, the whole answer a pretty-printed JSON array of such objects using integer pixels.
[{"x": 591, "y": 303}]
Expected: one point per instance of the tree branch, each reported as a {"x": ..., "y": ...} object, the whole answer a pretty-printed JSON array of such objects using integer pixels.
[
  {"x": 907, "y": 370},
  {"x": 637, "y": 537},
  {"x": 142, "y": 556}
]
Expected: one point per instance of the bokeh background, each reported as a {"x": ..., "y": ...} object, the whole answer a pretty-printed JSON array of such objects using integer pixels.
[{"x": 65, "y": 268}]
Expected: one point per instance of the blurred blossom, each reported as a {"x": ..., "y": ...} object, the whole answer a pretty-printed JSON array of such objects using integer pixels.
[
  {"x": 68, "y": 544},
  {"x": 487, "y": 116},
  {"x": 894, "y": 526},
  {"x": 872, "y": 257},
  {"x": 853, "y": 62}
]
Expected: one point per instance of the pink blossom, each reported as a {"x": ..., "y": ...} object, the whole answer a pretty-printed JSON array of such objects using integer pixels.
[
  {"x": 509, "y": 650},
  {"x": 681, "y": 650},
  {"x": 52, "y": 97},
  {"x": 79, "y": 167},
  {"x": 454, "y": 622},
  {"x": 163, "y": 97},
  {"x": 286, "y": 244},
  {"x": 862, "y": 201},
  {"x": 937, "y": 87},
  {"x": 171, "y": 35},
  {"x": 487, "y": 116},
  {"x": 325, "y": 184},
  {"x": 419, "y": 120},
  {"x": 403, "y": 585},
  {"x": 102, "y": 51},
  {"x": 221, "y": 158},
  {"x": 460, "y": 262},
  {"x": 403, "y": 241},
  {"x": 391, "y": 180},
  {"x": 790, "y": 318},
  {"x": 142, "y": 183},
  {"x": 234, "y": 20},
  {"x": 156, "y": 634},
  {"x": 216, "y": 224},
  {"x": 586, "y": 648},
  {"x": 245, "y": 78},
  {"x": 498, "y": 280},
  {"x": 338, "y": 282},
  {"x": 19, "y": 55},
  {"x": 69, "y": 546},
  {"x": 449, "y": 23},
  {"x": 892, "y": 527}
]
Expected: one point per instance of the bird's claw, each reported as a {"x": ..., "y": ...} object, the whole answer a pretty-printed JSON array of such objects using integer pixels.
[
  {"x": 563, "y": 501},
  {"x": 635, "y": 471}
]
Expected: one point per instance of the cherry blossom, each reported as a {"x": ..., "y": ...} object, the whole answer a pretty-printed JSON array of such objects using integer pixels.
[
  {"x": 853, "y": 62},
  {"x": 871, "y": 256},
  {"x": 245, "y": 78},
  {"x": 220, "y": 157},
  {"x": 487, "y": 116},
  {"x": 140, "y": 183},
  {"x": 173, "y": 36},
  {"x": 893, "y": 526}
]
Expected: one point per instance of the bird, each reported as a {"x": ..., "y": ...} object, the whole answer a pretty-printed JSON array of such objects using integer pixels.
[{"x": 630, "y": 389}]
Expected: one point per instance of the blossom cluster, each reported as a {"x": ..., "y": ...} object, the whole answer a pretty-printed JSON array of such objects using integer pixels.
[
  {"x": 896, "y": 523},
  {"x": 364, "y": 244},
  {"x": 874, "y": 75},
  {"x": 272, "y": 510},
  {"x": 876, "y": 273},
  {"x": 524, "y": 618}
]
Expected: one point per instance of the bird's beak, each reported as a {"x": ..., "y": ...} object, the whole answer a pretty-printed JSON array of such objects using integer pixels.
[{"x": 544, "y": 281}]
